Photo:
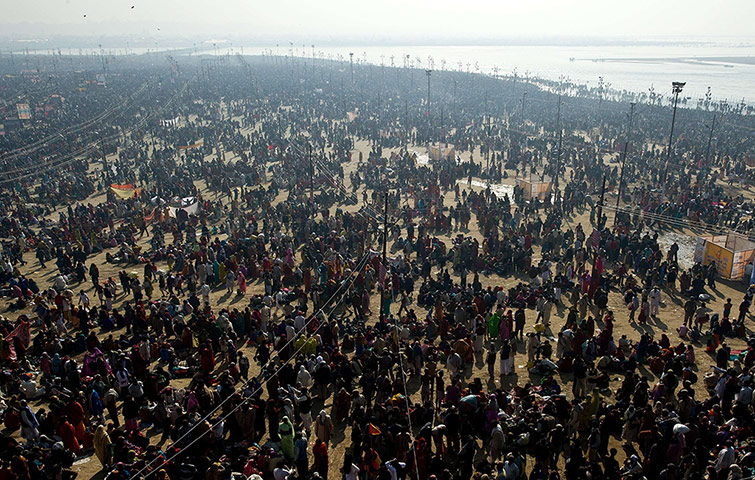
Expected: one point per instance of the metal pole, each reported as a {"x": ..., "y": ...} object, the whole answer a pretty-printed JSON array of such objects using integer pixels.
[
  {"x": 488, "y": 148},
  {"x": 560, "y": 135},
  {"x": 677, "y": 87},
  {"x": 710, "y": 139},
  {"x": 429, "y": 126},
  {"x": 351, "y": 61},
  {"x": 311, "y": 176},
  {"x": 602, "y": 196},
  {"x": 385, "y": 256},
  {"x": 624, "y": 159},
  {"x": 406, "y": 121}
]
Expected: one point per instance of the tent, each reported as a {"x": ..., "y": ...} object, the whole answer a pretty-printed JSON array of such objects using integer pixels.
[
  {"x": 535, "y": 187},
  {"x": 438, "y": 152},
  {"x": 730, "y": 252}
]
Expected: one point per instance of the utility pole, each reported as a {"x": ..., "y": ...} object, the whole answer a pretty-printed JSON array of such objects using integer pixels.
[
  {"x": 624, "y": 159},
  {"x": 311, "y": 176},
  {"x": 710, "y": 139},
  {"x": 385, "y": 257}
]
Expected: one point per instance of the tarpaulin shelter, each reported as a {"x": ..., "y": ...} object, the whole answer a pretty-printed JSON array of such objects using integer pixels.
[
  {"x": 439, "y": 152},
  {"x": 535, "y": 187},
  {"x": 730, "y": 252}
]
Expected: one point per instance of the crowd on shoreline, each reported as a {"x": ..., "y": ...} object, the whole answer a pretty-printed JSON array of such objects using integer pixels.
[{"x": 298, "y": 350}]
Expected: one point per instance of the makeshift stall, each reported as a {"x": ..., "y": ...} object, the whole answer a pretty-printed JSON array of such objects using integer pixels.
[
  {"x": 535, "y": 187},
  {"x": 440, "y": 152},
  {"x": 731, "y": 253}
]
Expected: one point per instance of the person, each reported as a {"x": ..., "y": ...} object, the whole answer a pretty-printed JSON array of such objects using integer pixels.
[
  {"x": 519, "y": 322},
  {"x": 29, "y": 423},
  {"x": 490, "y": 359},
  {"x": 320, "y": 453},
  {"x": 323, "y": 427},
  {"x": 301, "y": 456},
  {"x": 102, "y": 446},
  {"x": 286, "y": 433},
  {"x": 655, "y": 301}
]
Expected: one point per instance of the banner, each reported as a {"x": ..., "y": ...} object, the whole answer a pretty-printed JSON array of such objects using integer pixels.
[
  {"x": 24, "y": 113},
  {"x": 169, "y": 123},
  {"x": 722, "y": 256},
  {"x": 124, "y": 191},
  {"x": 190, "y": 205},
  {"x": 151, "y": 216},
  {"x": 193, "y": 145}
]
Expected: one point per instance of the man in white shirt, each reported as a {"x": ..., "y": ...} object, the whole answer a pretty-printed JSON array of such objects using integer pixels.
[
  {"x": 206, "y": 294},
  {"x": 299, "y": 322},
  {"x": 655, "y": 301}
]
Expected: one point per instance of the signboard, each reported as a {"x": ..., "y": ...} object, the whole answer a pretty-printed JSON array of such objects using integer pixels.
[
  {"x": 699, "y": 250},
  {"x": 169, "y": 123},
  {"x": 720, "y": 255}
]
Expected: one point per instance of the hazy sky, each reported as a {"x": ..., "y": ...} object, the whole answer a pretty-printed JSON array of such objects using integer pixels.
[{"x": 380, "y": 19}]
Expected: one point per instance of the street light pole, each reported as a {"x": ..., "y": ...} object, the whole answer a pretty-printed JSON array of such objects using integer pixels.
[
  {"x": 624, "y": 159},
  {"x": 311, "y": 176},
  {"x": 385, "y": 259},
  {"x": 560, "y": 137},
  {"x": 677, "y": 89},
  {"x": 710, "y": 139},
  {"x": 429, "y": 127},
  {"x": 351, "y": 61}
]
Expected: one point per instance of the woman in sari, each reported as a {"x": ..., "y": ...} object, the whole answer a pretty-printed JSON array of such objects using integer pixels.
[
  {"x": 242, "y": 282},
  {"x": 102, "y": 446}
]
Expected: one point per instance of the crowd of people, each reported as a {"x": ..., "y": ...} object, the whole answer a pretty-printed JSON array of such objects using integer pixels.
[{"x": 285, "y": 290}]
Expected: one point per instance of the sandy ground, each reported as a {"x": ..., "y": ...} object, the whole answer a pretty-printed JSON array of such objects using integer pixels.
[{"x": 670, "y": 316}]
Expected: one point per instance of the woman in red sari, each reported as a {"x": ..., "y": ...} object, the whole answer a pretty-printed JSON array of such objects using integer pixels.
[{"x": 68, "y": 433}]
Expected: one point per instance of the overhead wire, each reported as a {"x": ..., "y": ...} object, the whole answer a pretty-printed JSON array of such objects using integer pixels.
[{"x": 222, "y": 419}]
